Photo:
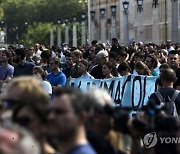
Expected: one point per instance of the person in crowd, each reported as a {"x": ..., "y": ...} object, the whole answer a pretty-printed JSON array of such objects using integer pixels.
[
  {"x": 163, "y": 56},
  {"x": 174, "y": 63},
  {"x": 102, "y": 57},
  {"x": 92, "y": 57},
  {"x": 37, "y": 53},
  {"x": 56, "y": 77},
  {"x": 153, "y": 64},
  {"x": 142, "y": 69},
  {"x": 167, "y": 77},
  {"x": 163, "y": 67},
  {"x": 76, "y": 57},
  {"x": 45, "y": 59},
  {"x": 122, "y": 56},
  {"x": 113, "y": 58},
  {"x": 6, "y": 70},
  {"x": 29, "y": 55},
  {"x": 124, "y": 69},
  {"x": 67, "y": 119},
  {"x": 99, "y": 123},
  {"x": 109, "y": 70},
  {"x": 29, "y": 105},
  {"x": 39, "y": 73},
  {"x": 83, "y": 68},
  {"x": 23, "y": 67},
  {"x": 115, "y": 47},
  {"x": 169, "y": 46},
  {"x": 68, "y": 66}
]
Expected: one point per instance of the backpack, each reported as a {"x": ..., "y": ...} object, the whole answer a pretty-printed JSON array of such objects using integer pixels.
[{"x": 169, "y": 103}]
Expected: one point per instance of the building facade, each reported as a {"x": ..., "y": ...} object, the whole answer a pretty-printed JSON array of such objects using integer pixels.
[{"x": 155, "y": 22}]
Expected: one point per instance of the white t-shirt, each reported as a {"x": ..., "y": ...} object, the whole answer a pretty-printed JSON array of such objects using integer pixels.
[{"x": 47, "y": 87}]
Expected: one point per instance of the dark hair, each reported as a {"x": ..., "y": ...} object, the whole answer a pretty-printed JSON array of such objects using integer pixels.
[
  {"x": 123, "y": 67},
  {"x": 46, "y": 54},
  {"x": 139, "y": 54},
  {"x": 154, "y": 60},
  {"x": 41, "y": 71},
  {"x": 168, "y": 75},
  {"x": 9, "y": 55},
  {"x": 115, "y": 39},
  {"x": 78, "y": 100},
  {"x": 164, "y": 66},
  {"x": 20, "y": 52},
  {"x": 113, "y": 55},
  {"x": 68, "y": 54},
  {"x": 111, "y": 66},
  {"x": 122, "y": 53},
  {"x": 174, "y": 52},
  {"x": 94, "y": 42}
]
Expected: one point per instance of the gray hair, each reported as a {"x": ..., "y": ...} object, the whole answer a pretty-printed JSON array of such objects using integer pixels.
[{"x": 102, "y": 53}]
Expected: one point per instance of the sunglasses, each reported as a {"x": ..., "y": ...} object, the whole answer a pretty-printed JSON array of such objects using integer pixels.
[{"x": 10, "y": 103}]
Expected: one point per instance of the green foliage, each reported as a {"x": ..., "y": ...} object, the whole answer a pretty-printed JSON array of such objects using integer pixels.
[{"x": 18, "y": 12}]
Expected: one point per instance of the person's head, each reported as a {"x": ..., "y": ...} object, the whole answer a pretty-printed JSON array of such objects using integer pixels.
[
  {"x": 54, "y": 63},
  {"x": 151, "y": 61},
  {"x": 124, "y": 69},
  {"x": 30, "y": 52},
  {"x": 24, "y": 89},
  {"x": 15, "y": 140},
  {"x": 94, "y": 42},
  {"x": 163, "y": 67},
  {"x": 114, "y": 42},
  {"x": 142, "y": 68},
  {"x": 68, "y": 114},
  {"x": 83, "y": 66},
  {"x": 19, "y": 55},
  {"x": 138, "y": 56},
  {"x": 168, "y": 76},
  {"x": 36, "y": 47},
  {"x": 46, "y": 56},
  {"x": 113, "y": 58},
  {"x": 174, "y": 59},
  {"x": 98, "y": 119},
  {"x": 76, "y": 56},
  {"x": 122, "y": 56},
  {"x": 107, "y": 69},
  {"x": 39, "y": 73},
  {"x": 162, "y": 56},
  {"x": 69, "y": 60},
  {"x": 102, "y": 57},
  {"x": 32, "y": 115},
  {"x": 168, "y": 44},
  {"x": 6, "y": 57}
]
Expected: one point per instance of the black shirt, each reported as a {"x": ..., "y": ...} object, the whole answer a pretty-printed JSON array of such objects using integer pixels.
[
  {"x": 23, "y": 69},
  {"x": 97, "y": 73}
]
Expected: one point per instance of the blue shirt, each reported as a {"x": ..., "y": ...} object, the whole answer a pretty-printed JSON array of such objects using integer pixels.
[
  {"x": 58, "y": 79},
  {"x": 82, "y": 149}
]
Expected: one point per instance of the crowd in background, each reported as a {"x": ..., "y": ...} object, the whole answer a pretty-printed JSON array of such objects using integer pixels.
[{"x": 63, "y": 120}]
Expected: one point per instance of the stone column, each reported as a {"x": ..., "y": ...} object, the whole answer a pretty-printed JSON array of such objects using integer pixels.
[
  {"x": 155, "y": 26},
  {"x": 174, "y": 22}
]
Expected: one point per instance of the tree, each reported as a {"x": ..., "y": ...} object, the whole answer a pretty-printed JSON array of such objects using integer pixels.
[{"x": 19, "y": 12}]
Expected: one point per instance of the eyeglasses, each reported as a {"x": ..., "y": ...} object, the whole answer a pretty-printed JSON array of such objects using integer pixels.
[{"x": 10, "y": 103}]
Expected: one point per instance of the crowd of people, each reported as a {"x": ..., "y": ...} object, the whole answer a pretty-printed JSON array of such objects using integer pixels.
[{"x": 40, "y": 115}]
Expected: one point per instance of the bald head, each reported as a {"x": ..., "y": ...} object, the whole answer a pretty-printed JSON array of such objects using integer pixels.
[{"x": 168, "y": 75}]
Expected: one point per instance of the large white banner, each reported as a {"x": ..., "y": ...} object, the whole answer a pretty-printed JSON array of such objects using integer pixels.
[{"x": 128, "y": 91}]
